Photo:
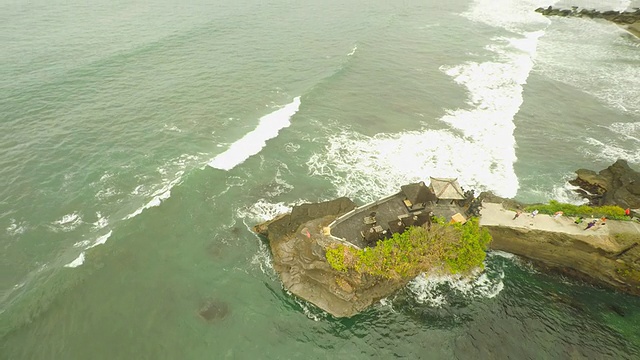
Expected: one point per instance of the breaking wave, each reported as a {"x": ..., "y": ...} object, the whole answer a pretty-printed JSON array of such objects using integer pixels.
[
  {"x": 479, "y": 146},
  {"x": 436, "y": 290},
  {"x": 268, "y": 128}
]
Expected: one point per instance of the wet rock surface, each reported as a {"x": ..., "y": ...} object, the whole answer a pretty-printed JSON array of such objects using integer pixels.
[
  {"x": 298, "y": 246},
  {"x": 618, "y": 185}
]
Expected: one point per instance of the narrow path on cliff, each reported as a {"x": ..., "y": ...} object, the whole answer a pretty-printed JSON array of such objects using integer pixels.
[{"x": 493, "y": 214}]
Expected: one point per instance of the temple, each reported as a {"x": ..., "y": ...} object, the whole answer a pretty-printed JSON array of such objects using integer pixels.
[{"x": 414, "y": 205}]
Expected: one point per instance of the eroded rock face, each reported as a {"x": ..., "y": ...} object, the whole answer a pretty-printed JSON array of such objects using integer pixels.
[
  {"x": 618, "y": 185},
  {"x": 298, "y": 246},
  {"x": 614, "y": 267}
]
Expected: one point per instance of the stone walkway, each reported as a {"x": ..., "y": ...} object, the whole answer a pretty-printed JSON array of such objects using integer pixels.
[{"x": 598, "y": 236}]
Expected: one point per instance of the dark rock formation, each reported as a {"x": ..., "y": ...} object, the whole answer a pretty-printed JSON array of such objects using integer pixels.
[
  {"x": 574, "y": 257},
  {"x": 624, "y": 17},
  {"x": 617, "y": 185},
  {"x": 287, "y": 224},
  {"x": 298, "y": 246},
  {"x": 509, "y": 204}
]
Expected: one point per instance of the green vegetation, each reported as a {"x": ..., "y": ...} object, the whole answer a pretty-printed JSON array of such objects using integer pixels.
[
  {"x": 611, "y": 212},
  {"x": 626, "y": 239},
  {"x": 629, "y": 274},
  {"x": 454, "y": 248}
]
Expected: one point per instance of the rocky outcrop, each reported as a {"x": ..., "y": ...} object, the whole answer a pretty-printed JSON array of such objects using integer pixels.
[
  {"x": 619, "y": 17},
  {"x": 617, "y": 185},
  {"x": 298, "y": 246},
  {"x": 488, "y": 196},
  {"x": 614, "y": 264},
  {"x": 610, "y": 257}
]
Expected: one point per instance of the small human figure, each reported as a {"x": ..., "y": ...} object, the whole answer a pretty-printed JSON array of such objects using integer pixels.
[
  {"x": 518, "y": 213},
  {"x": 534, "y": 213},
  {"x": 557, "y": 215},
  {"x": 627, "y": 212},
  {"x": 603, "y": 220},
  {"x": 579, "y": 220},
  {"x": 590, "y": 224}
]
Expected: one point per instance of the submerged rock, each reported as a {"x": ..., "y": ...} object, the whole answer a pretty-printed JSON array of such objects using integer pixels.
[{"x": 214, "y": 310}]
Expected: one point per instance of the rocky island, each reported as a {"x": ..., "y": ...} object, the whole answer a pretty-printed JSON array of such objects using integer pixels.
[{"x": 326, "y": 252}]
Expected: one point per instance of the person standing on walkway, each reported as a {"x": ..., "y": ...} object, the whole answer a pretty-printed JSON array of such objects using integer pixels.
[
  {"x": 518, "y": 213},
  {"x": 591, "y": 224},
  {"x": 627, "y": 212},
  {"x": 534, "y": 213}
]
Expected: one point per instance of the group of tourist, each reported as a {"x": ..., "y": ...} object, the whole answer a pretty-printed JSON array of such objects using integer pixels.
[{"x": 579, "y": 220}]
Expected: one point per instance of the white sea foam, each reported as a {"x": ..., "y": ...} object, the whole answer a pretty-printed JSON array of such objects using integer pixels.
[
  {"x": 68, "y": 222},
  {"x": 82, "y": 244},
  {"x": 158, "y": 196},
  {"x": 434, "y": 290},
  {"x": 16, "y": 227},
  {"x": 268, "y": 128},
  {"x": 309, "y": 310},
  {"x": 479, "y": 149},
  {"x": 100, "y": 240},
  {"x": 353, "y": 50},
  {"x": 68, "y": 219},
  {"x": 77, "y": 262},
  {"x": 387, "y": 304},
  {"x": 262, "y": 258},
  {"x": 630, "y": 131},
  {"x": 101, "y": 222},
  {"x": 138, "y": 190},
  {"x": 106, "y": 193},
  {"x": 291, "y": 147},
  {"x": 262, "y": 210},
  {"x": 610, "y": 152},
  {"x": 594, "y": 58},
  {"x": 106, "y": 176},
  {"x": 514, "y": 15},
  {"x": 172, "y": 128},
  {"x": 564, "y": 193},
  {"x": 503, "y": 254},
  {"x": 86, "y": 244}
]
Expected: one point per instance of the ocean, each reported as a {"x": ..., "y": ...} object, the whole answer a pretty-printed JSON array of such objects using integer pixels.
[{"x": 141, "y": 140}]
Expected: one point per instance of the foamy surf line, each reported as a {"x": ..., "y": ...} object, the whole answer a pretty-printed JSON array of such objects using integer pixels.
[
  {"x": 80, "y": 259},
  {"x": 479, "y": 148},
  {"x": 268, "y": 128}
]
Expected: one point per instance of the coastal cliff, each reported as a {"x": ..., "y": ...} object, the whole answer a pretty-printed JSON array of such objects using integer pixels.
[
  {"x": 298, "y": 246},
  {"x": 606, "y": 255}
]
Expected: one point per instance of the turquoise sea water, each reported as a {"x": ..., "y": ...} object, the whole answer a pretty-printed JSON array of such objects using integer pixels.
[{"x": 140, "y": 141}]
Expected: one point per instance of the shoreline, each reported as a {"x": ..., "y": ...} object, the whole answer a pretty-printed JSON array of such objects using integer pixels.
[{"x": 633, "y": 29}]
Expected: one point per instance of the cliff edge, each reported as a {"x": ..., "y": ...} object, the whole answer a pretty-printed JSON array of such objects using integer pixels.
[{"x": 298, "y": 246}]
